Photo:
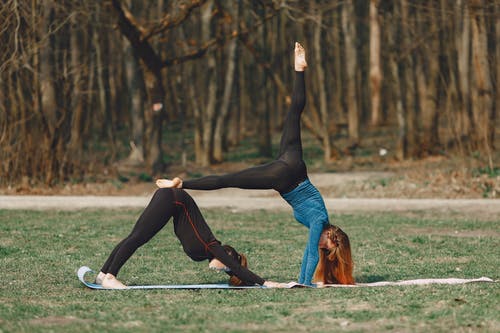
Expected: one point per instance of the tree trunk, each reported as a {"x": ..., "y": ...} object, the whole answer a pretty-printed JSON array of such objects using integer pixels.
[
  {"x": 101, "y": 44},
  {"x": 134, "y": 101},
  {"x": 463, "y": 47},
  {"x": 198, "y": 119},
  {"x": 77, "y": 108},
  {"x": 211, "y": 83},
  {"x": 482, "y": 103},
  {"x": 283, "y": 67},
  {"x": 244, "y": 106},
  {"x": 154, "y": 121},
  {"x": 494, "y": 113},
  {"x": 427, "y": 74},
  {"x": 264, "y": 123},
  {"x": 320, "y": 75},
  {"x": 226, "y": 98},
  {"x": 47, "y": 87},
  {"x": 220, "y": 124},
  {"x": 35, "y": 62},
  {"x": 234, "y": 129},
  {"x": 151, "y": 65},
  {"x": 48, "y": 92},
  {"x": 375, "y": 68},
  {"x": 408, "y": 75},
  {"x": 135, "y": 105},
  {"x": 337, "y": 82},
  {"x": 349, "y": 30},
  {"x": 394, "y": 43}
]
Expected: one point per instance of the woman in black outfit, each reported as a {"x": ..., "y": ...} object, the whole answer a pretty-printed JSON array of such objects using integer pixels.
[{"x": 195, "y": 235}]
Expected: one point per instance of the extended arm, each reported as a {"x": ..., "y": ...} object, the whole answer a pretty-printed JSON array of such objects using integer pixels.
[
  {"x": 241, "y": 272},
  {"x": 311, "y": 254}
]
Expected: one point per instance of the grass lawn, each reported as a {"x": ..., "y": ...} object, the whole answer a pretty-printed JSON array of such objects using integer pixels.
[{"x": 40, "y": 252}]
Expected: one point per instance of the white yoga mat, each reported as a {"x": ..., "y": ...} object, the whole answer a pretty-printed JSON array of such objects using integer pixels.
[{"x": 411, "y": 282}]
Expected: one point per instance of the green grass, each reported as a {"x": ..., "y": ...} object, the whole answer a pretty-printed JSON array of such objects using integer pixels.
[{"x": 40, "y": 252}]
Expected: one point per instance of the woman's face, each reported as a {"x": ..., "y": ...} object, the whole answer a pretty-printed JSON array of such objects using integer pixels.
[
  {"x": 325, "y": 241},
  {"x": 217, "y": 265}
]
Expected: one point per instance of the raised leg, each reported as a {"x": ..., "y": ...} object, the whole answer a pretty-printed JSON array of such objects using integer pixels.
[{"x": 290, "y": 139}]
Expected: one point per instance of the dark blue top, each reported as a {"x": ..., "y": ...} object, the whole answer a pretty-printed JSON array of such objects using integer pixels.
[{"x": 310, "y": 210}]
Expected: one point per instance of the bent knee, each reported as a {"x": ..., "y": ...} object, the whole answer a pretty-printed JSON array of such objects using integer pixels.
[{"x": 164, "y": 193}]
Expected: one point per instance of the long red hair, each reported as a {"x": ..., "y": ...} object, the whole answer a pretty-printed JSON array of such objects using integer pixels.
[{"x": 335, "y": 266}]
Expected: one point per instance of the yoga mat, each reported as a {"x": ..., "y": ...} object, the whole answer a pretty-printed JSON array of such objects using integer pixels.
[
  {"x": 411, "y": 282},
  {"x": 84, "y": 270}
]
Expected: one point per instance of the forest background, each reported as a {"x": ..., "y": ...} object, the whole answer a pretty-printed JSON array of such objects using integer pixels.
[{"x": 112, "y": 90}]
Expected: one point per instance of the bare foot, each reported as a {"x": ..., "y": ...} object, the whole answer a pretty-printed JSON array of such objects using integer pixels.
[
  {"x": 111, "y": 282},
  {"x": 300, "y": 58},
  {"x": 217, "y": 265},
  {"x": 99, "y": 278},
  {"x": 167, "y": 183}
]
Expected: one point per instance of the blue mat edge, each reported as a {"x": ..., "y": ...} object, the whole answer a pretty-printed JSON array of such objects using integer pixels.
[{"x": 85, "y": 269}]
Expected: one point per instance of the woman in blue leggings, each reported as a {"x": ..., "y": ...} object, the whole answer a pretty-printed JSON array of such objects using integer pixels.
[{"x": 288, "y": 175}]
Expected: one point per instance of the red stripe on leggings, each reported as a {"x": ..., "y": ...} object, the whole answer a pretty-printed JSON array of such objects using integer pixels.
[{"x": 194, "y": 227}]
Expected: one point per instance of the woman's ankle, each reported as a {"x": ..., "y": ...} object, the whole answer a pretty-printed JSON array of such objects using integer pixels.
[{"x": 100, "y": 277}]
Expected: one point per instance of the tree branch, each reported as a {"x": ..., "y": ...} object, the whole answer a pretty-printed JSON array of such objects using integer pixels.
[
  {"x": 133, "y": 31},
  {"x": 264, "y": 64},
  {"x": 138, "y": 37},
  {"x": 242, "y": 35},
  {"x": 169, "y": 22},
  {"x": 192, "y": 55}
]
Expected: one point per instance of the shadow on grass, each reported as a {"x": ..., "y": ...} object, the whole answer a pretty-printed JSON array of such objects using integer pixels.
[{"x": 370, "y": 278}]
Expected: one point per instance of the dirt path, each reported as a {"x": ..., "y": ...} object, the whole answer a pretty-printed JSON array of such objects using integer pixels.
[{"x": 244, "y": 200}]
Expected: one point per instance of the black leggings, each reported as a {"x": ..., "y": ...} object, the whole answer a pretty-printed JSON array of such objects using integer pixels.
[
  {"x": 197, "y": 240},
  {"x": 282, "y": 174},
  {"x": 153, "y": 219}
]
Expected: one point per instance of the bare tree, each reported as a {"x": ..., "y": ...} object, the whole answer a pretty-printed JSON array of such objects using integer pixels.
[
  {"x": 349, "y": 30},
  {"x": 462, "y": 127},
  {"x": 73, "y": 90},
  {"x": 495, "y": 112},
  {"x": 375, "y": 67},
  {"x": 76, "y": 103},
  {"x": 482, "y": 101},
  {"x": 208, "y": 115},
  {"x": 321, "y": 91},
  {"x": 220, "y": 123}
]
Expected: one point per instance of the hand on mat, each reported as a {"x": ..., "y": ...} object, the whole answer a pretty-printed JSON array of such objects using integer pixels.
[
  {"x": 167, "y": 183},
  {"x": 272, "y": 284}
]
